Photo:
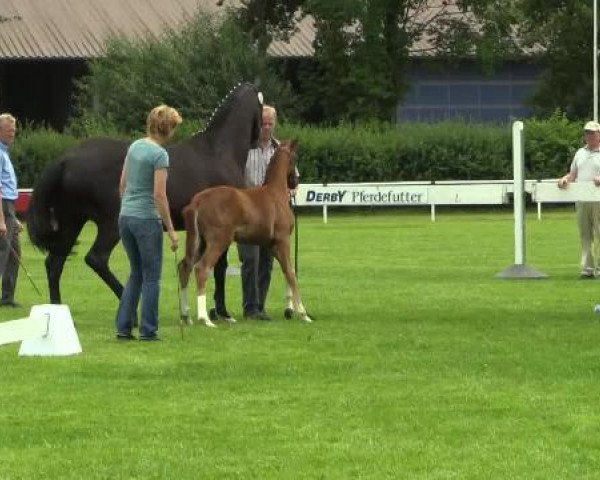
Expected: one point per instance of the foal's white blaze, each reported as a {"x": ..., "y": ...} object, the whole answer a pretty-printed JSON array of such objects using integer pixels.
[
  {"x": 202, "y": 313},
  {"x": 183, "y": 305}
]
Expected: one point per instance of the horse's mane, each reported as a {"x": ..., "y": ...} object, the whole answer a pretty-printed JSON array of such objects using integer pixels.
[{"x": 221, "y": 111}]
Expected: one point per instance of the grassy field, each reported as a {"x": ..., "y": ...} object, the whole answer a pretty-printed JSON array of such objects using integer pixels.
[{"x": 421, "y": 365}]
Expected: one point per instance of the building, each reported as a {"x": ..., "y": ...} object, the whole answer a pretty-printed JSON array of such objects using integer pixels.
[{"x": 45, "y": 46}]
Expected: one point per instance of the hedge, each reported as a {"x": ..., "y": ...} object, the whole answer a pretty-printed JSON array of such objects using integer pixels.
[
  {"x": 442, "y": 151},
  {"x": 34, "y": 148},
  {"x": 379, "y": 152}
]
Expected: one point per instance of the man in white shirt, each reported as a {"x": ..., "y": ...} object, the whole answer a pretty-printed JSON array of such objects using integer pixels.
[{"x": 586, "y": 168}]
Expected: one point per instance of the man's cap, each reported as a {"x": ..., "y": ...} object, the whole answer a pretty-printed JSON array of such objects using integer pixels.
[{"x": 592, "y": 126}]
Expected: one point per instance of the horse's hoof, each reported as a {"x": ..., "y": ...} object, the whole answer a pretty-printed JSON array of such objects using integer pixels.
[
  {"x": 230, "y": 320},
  {"x": 288, "y": 313},
  {"x": 185, "y": 320},
  {"x": 306, "y": 318}
]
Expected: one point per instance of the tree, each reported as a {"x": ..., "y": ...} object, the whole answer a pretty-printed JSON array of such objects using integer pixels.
[
  {"x": 191, "y": 69},
  {"x": 266, "y": 20},
  {"x": 362, "y": 50},
  {"x": 561, "y": 31},
  {"x": 363, "y": 47},
  {"x": 557, "y": 33}
]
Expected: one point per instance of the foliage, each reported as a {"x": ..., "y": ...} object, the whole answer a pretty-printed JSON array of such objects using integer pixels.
[
  {"x": 407, "y": 152},
  {"x": 441, "y": 151},
  {"x": 192, "y": 69},
  {"x": 421, "y": 365},
  {"x": 34, "y": 148},
  {"x": 564, "y": 31},
  {"x": 363, "y": 48},
  {"x": 557, "y": 33},
  {"x": 266, "y": 20},
  {"x": 486, "y": 29},
  {"x": 375, "y": 151},
  {"x": 361, "y": 52},
  {"x": 550, "y": 145}
]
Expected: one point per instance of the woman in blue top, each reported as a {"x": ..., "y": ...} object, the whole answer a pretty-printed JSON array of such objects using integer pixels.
[{"x": 144, "y": 205}]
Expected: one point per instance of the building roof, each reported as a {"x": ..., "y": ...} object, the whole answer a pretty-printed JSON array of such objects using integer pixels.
[
  {"x": 78, "y": 28},
  {"x": 61, "y": 29},
  {"x": 65, "y": 29}
]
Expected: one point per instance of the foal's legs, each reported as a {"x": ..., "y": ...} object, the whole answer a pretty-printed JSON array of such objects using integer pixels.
[
  {"x": 289, "y": 304},
  {"x": 207, "y": 261},
  {"x": 282, "y": 253},
  {"x": 184, "y": 269}
]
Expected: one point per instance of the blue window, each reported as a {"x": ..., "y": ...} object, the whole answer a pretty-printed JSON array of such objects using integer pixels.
[
  {"x": 464, "y": 94},
  {"x": 433, "y": 94},
  {"x": 495, "y": 94}
]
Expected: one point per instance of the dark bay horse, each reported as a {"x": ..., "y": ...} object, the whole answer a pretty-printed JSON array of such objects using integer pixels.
[
  {"x": 84, "y": 185},
  {"x": 218, "y": 216}
]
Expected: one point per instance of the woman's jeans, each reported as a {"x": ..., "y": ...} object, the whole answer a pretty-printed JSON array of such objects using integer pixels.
[{"x": 143, "y": 242}]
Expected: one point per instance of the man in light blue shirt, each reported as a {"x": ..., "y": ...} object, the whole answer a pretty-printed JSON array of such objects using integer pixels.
[{"x": 10, "y": 227}]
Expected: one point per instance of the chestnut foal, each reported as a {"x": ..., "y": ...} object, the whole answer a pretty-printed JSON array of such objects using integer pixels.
[{"x": 218, "y": 216}]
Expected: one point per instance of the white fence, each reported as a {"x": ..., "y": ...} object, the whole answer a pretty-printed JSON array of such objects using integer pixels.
[{"x": 479, "y": 192}]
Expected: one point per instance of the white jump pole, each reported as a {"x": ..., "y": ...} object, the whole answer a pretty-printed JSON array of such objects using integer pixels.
[
  {"x": 519, "y": 269},
  {"x": 519, "y": 190}
]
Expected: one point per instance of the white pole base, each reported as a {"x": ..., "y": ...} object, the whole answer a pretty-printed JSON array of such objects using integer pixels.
[
  {"x": 521, "y": 271},
  {"x": 59, "y": 338}
]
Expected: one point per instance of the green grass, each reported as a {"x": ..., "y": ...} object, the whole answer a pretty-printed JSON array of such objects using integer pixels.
[{"x": 421, "y": 365}]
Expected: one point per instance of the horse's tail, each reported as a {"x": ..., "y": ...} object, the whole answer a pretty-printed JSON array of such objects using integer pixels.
[
  {"x": 42, "y": 223},
  {"x": 194, "y": 239}
]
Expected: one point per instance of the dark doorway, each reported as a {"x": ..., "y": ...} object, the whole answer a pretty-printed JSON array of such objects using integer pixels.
[{"x": 39, "y": 91}]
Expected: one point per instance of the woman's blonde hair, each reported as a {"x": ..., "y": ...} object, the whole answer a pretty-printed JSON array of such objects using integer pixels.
[{"x": 162, "y": 120}]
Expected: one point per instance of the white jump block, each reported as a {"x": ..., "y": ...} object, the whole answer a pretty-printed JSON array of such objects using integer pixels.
[
  {"x": 24, "y": 328},
  {"x": 48, "y": 331}
]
